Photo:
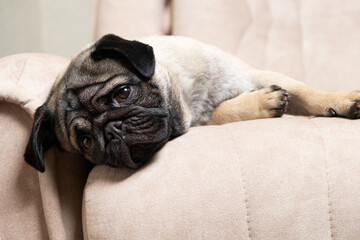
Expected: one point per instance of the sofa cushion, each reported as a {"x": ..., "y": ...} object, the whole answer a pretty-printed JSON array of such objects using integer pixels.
[{"x": 285, "y": 178}]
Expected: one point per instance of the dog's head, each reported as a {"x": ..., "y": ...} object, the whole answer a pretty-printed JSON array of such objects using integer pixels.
[{"x": 108, "y": 106}]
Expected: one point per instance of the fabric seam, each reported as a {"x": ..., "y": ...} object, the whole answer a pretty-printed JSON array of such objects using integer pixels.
[
  {"x": 246, "y": 200},
  {"x": 331, "y": 223},
  {"x": 22, "y": 70}
]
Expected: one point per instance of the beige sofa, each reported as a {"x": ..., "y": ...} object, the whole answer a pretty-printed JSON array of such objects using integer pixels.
[{"x": 284, "y": 178}]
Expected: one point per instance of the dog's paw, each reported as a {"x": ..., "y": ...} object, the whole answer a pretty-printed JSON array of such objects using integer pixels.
[
  {"x": 275, "y": 101},
  {"x": 354, "y": 111},
  {"x": 345, "y": 104}
]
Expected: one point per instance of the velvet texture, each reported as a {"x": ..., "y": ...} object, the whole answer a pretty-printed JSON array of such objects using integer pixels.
[
  {"x": 312, "y": 41},
  {"x": 288, "y": 178},
  {"x": 35, "y": 205}
]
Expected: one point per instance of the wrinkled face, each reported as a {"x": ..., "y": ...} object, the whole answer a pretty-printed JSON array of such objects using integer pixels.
[
  {"x": 108, "y": 106},
  {"x": 118, "y": 119},
  {"x": 109, "y": 113}
]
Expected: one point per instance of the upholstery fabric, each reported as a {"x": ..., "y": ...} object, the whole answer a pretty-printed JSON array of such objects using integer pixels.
[
  {"x": 129, "y": 18},
  {"x": 289, "y": 178},
  {"x": 35, "y": 205},
  {"x": 316, "y": 42}
]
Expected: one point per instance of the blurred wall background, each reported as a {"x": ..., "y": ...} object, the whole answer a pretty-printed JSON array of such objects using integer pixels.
[{"x": 61, "y": 27}]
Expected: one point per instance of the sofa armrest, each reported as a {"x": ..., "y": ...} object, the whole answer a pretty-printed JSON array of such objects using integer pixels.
[
  {"x": 287, "y": 178},
  {"x": 34, "y": 205}
]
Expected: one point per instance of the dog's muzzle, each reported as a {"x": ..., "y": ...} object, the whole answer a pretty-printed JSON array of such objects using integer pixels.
[
  {"x": 118, "y": 150},
  {"x": 132, "y": 135}
]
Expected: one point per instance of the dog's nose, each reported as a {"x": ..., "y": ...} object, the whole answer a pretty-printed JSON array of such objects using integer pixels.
[{"x": 113, "y": 130}]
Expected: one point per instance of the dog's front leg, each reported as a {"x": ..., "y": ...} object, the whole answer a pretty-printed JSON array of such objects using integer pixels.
[
  {"x": 272, "y": 101},
  {"x": 308, "y": 101},
  {"x": 264, "y": 103}
]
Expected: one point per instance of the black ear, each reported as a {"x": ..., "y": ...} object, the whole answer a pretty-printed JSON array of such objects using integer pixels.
[
  {"x": 41, "y": 139},
  {"x": 139, "y": 56}
]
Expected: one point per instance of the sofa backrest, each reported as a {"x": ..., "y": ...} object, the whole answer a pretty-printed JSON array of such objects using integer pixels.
[{"x": 317, "y": 42}]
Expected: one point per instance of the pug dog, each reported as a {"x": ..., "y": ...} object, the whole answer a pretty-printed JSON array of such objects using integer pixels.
[{"x": 120, "y": 101}]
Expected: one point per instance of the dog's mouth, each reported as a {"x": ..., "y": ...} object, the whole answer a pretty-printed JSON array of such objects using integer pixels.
[
  {"x": 118, "y": 154},
  {"x": 133, "y": 141}
]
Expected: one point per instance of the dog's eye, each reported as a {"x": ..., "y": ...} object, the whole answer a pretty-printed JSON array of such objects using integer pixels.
[
  {"x": 122, "y": 94},
  {"x": 86, "y": 142}
]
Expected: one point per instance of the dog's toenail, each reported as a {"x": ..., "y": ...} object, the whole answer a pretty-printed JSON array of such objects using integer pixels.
[
  {"x": 275, "y": 87},
  {"x": 332, "y": 112}
]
